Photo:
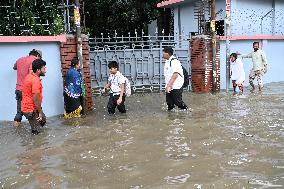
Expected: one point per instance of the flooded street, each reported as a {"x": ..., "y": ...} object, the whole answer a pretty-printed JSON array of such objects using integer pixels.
[{"x": 225, "y": 141}]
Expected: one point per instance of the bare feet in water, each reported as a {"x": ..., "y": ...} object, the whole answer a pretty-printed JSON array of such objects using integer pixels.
[{"x": 16, "y": 124}]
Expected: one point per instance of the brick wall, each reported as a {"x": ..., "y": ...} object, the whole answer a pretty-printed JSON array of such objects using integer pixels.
[
  {"x": 201, "y": 60},
  {"x": 68, "y": 50}
]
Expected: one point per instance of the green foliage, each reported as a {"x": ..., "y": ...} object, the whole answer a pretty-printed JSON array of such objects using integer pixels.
[
  {"x": 30, "y": 17},
  {"x": 43, "y": 17},
  {"x": 106, "y": 16}
]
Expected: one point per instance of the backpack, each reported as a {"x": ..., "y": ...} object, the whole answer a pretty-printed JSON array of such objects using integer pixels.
[
  {"x": 127, "y": 87},
  {"x": 185, "y": 75}
]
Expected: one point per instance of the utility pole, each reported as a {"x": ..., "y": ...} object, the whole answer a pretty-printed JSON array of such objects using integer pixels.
[
  {"x": 77, "y": 20},
  {"x": 228, "y": 34},
  {"x": 214, "y": 45}
]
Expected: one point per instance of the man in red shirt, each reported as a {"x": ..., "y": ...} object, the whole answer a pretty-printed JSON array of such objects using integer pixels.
[
  {"x": 32, "y": 96},
  {"x": 23, "y": 66}
]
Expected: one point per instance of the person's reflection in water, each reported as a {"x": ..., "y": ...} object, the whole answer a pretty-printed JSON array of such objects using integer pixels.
[{"x": 30, "y": 162}]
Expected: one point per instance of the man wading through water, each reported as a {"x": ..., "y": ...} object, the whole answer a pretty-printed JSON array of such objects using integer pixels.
[
  {"x": 174, "y": 79},
  {"x": 32, "y": 96},
  {"x": 23, "y": 66},
  {"x": 259, "y": 66}
]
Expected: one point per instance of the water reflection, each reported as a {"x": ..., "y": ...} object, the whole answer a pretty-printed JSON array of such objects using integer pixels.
[{"x": 177, "y": 146}]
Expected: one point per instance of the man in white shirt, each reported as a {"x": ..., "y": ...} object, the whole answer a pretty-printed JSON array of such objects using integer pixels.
[
  {"x": 237, "y": 73},
  {"x": 259, "y": 66},
  {"x": 174, "y": 80}
]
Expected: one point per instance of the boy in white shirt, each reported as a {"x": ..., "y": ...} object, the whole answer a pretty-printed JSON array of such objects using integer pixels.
[
  {"x": 116, "y": 83},
  {"x": 174, "y": 80},
  {"x": 237, "y": 73}
]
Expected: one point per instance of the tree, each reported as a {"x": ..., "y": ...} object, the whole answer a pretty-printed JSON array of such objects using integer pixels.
[
  {"x": 106, "y": 16},
  {"x": 44, "y": 17},
  {"x": 30, "y": 17}
]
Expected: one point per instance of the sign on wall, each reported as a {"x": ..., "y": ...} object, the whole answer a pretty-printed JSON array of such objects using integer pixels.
[{"x": 77, "y": 18}]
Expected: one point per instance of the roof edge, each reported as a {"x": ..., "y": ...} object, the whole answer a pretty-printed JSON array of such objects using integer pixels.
[
  {"x": 254, "y": 37},
  {"x": 167, "y": 3},
  {"x": 24, "y": 39}
]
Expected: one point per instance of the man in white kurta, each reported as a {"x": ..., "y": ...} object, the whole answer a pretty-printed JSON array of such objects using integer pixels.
[
  {"x": 259, "y": 66},
  {"x": 237, "y": 72}
]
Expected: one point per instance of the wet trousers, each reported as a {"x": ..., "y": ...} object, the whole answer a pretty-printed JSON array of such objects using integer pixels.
[
  {"x": 175, "y": 98},
  {"x": 258, "y": 74},
  {"x": 32, "y": 118},
  {"x": 112, "y": 104},
  {"x": 19, "y": 114}
]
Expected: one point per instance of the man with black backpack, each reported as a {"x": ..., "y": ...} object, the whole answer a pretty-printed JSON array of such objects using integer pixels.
[{"x": 176, "y": 77}]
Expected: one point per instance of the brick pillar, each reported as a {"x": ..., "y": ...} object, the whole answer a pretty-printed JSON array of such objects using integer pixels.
[
  {"x": 68, "y": 51},
  {"x": 201, "y": 60}
]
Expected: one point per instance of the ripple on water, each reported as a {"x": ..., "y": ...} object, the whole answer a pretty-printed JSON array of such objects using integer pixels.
[
  {"x": 128, "y": 167},
  {"x": 177, "y": 179},
  {"x": 136, "y": 187},
  {"x": 264, "y": 184},
  {"x": 239, "y": 160}
]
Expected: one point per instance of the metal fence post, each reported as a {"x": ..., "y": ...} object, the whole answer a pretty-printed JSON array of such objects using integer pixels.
[
  {"x": 161, "y": 65},
  {"x": 213, "y": 35}
]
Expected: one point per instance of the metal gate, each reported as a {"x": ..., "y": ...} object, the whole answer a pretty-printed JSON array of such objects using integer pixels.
[{"x": 140, "y": 59}]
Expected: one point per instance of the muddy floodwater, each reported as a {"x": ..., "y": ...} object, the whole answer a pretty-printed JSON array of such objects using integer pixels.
[{"x": 225, "y": 141}]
